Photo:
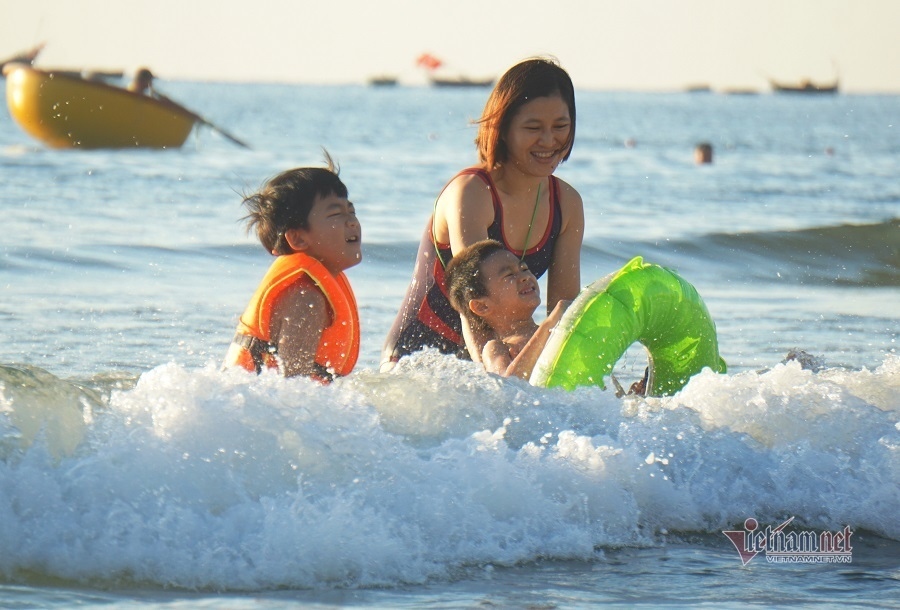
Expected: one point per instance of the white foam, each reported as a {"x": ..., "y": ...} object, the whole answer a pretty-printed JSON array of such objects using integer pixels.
[{"x": 203, "y": 478}]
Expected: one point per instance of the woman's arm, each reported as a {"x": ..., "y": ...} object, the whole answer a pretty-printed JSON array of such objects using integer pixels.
[
  {"x": 415, "y": 293},
  {"x": 464, "y": 213},
  {"x": 564, "y": 274}
]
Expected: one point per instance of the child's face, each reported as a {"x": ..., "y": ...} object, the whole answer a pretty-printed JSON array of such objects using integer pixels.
[
  {"x": 334, "y": 235},
  {"x": 511, "y": 288}
]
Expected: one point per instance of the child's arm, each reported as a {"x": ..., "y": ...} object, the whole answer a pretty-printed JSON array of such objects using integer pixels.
[
  {"x": 523, "y": 364},
  {"x": 495, "y": 357},
  {"x": 298, "y": 319},
  {"x": 474, "y": 337}
]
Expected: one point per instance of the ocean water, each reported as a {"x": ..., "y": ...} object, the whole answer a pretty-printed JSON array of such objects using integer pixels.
[{"x": 135, "y": 473}]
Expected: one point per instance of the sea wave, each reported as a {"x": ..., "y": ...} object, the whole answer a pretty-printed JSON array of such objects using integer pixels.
[
  {"x": 847, "y": 255},
  {"x": 841, "y": 255},
  {"x": 200, "y": 478}
]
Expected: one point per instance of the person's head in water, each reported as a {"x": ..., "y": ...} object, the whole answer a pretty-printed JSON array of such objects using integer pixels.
[
  {"x": 142, "y": 82},
  {"x": 527, "y": 81},
  {"x": 703, "y": 153}
]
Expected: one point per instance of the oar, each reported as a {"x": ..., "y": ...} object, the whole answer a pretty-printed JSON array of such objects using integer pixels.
[{"x": 203, "y": 120}]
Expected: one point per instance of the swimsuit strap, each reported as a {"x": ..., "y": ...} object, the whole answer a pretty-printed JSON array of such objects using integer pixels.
[
  {"x": 531, "y": 223},
  {"x": 496, "y": 199}
]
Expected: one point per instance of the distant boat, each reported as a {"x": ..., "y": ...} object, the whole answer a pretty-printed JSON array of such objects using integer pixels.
[
  {"x": 804, "y": 86},
  {"x": 109, "y": 76},
  {"x": 739, "y": 91},
  {"x": 383, "y": 81},
  {"x": 461, "y": 81},
  {"x": 431, "y": 64},
  {"x": 25, "y": 57},
  {"x": 64, "y": 111}
]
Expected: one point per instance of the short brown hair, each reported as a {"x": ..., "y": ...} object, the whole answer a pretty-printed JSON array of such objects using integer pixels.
[
  {"x": 530, "y": 79},
  {"x": 464, "y": 278},
  {"x": 285, "y": 201}
]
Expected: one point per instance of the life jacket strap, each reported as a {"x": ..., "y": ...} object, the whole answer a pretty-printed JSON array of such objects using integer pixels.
[
  {"x": 258, "y": 349},
  {"x": 322, "y": 374},
  {"x": 262, "y": 351}
]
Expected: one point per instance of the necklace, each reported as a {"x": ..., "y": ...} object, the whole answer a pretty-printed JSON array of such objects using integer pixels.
[{"x": 537, "y": 200}]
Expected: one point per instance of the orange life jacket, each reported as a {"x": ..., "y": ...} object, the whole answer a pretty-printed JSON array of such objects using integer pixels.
[{"x": 338, "y": 348}]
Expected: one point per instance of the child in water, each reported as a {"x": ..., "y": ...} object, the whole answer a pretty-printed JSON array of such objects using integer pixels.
[
  {"x": 497, "y": 293},
  {"x": 303, "y": 318}
]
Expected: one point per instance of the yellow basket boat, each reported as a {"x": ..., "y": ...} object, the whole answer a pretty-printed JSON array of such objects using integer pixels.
[{"x": 65, "y": 111}]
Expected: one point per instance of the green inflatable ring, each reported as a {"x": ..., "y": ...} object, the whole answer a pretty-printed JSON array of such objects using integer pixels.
[{"x": 641, "y": 302}]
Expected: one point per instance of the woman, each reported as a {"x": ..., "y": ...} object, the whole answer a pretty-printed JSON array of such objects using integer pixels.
[{"x": 527, "y": 129}]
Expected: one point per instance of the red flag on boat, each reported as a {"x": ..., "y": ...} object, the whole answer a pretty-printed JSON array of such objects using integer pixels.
[{"x": 429, "y": 61}]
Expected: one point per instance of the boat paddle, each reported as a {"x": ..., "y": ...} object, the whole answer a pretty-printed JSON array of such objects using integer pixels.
[{"x": 202, "y": 120}]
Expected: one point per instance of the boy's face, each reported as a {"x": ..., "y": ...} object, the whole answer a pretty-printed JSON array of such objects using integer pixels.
[
  {"x": 333, "y": 236},
  {"x": 512, "y": 290}
]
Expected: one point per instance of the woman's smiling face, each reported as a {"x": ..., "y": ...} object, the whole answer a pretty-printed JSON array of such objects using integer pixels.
[{"x": 538, "y": 136}]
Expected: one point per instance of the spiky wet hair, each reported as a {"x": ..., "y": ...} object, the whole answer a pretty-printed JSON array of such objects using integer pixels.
[
  {"x": 285, "y": 201},
  {"x": 465, "y": 279}
]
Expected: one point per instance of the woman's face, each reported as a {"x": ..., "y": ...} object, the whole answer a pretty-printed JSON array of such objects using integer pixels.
[{"x": 538, "y": 135}]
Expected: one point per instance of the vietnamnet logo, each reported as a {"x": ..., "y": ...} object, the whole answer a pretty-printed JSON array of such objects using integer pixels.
[{"x": 780, "y": 546}]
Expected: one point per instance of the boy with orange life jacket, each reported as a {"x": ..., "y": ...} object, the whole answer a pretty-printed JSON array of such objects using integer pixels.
[{"x": 303, "y": 317}]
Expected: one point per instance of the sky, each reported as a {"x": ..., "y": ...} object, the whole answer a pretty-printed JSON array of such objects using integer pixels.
[{"x": 604, "y": 44}]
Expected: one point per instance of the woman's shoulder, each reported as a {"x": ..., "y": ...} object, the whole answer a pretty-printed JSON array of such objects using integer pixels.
[
  {"x": 566, "y": 190},
  {"x": 569, "y": 197},
  {"x": 467, "y": 187},
  {"x": 470, "y": 176},
  {"x": 571, "y": 205}
]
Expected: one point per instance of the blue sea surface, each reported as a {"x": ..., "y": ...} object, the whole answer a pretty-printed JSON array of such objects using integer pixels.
[{"x": 136, "y": 473}]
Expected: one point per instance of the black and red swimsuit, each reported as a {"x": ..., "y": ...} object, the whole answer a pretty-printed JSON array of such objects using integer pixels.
[{"x": 437, "y": 323}]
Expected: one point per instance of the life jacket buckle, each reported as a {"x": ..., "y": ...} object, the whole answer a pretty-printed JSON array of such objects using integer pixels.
[{"x": 261, "y": 351}]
